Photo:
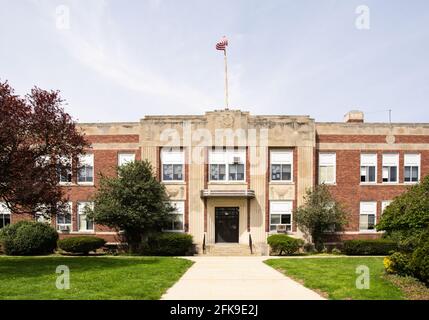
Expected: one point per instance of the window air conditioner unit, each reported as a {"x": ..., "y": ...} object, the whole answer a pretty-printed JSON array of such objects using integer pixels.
[
  {"x": 64, "y": 228},
  {"x": 281, "y": 228},
  {"x": 236, "y": 160}
]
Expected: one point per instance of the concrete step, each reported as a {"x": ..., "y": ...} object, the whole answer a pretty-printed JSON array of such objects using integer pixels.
[{"x": 229, "y": 249}]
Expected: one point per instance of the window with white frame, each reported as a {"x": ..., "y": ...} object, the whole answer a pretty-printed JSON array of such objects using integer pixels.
[
  {"x": 367, "y": 214},
  {"x": 4, "y": 215},
  {"x": 227, "y": 164},
  {"x": 64, "y": 170},
  {"x": 280, "y": 216},
  {"x": 385, "y": 204},
  {"x": 64, "y": 219},
  {"x": 86, "y": 170},
  {"x": 411, "y": 167},
  {"x": 124, "y": 158},
  {"x": 368, "y": 168},
  {"x": 390, "y": 167},
  {"x": 281, "y": 165},
  {"x": 172, "y": 164},
  {"x": 84, "y": 224},
  {"x": 178, "y": 216},
  {"x": 327, "y": 168}
]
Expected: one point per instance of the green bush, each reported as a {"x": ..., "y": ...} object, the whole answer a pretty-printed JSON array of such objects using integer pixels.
[
  {"x": 420, "y": 262},
  {"x": 81, "y": 244},
  {"x": 28, "y": 238},
  {"x": 369, "y": 247},
  {"x": 398, "y": 263},
  {"x": 282, "y": 243},
  {"x": 168, "y": 244}
]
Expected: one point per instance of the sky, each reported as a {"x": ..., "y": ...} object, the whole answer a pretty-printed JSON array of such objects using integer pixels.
[{"x": 121, "y": 60}]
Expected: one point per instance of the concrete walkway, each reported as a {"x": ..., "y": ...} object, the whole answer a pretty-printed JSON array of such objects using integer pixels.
[{"x": 241, "y": 278}]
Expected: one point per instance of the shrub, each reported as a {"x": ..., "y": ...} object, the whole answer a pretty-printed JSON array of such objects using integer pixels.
[
  {"x": 281, "y": 243},
  {"x": 81, "y": 244},
  {"x": 398, "y": 263},
  {"x": 336, "y": 251},
  {"x": 419, "y": 263},
  {"x": 309, "y": 247},
  {"x": 168, "y": 244},
  {"x": 28, "y": 238},
  {"x": 369, "y": 247}
]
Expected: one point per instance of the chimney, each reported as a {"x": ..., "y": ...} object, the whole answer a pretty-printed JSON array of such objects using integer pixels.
[{"x": 354, "y": 116}]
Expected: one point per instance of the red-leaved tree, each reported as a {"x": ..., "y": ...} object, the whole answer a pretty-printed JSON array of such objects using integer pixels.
[{"x": 38, "y": 139}]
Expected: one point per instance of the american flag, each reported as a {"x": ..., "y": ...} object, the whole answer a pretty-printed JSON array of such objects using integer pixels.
[{"x": 222, "y": 44}]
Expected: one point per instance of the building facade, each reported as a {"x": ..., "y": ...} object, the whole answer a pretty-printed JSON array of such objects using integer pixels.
[{"x": 233, "y": 176}]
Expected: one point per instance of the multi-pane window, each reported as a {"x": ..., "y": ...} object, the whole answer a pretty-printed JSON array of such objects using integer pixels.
[
  {"x": 368, "y": 211},
  {"x": 4, "y": 215},
  {"x": 64, "y": 220},
  {"x": 227, "y": 164},
  {"x": 411, "y": 167},
  {"x": 280, "y": 216},
  {"x": 64, "y": 170},
  {"x": 173, "y": 162},
  {"x": 124, "y": 158},
  {"x": 84, "y": 223},
  {"x": 368, "y": 168},
  {"x": 178, "y": 214},
  {"x": 390, "y": 167},
  {"x": 327, "y": 168},
  {"x": 385, "y": 204},
  {"x": 281, "y": 165},
  {"x": 86, "y": 169}
]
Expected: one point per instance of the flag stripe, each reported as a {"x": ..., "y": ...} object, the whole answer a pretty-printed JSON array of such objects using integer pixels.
[{"x": 222, "y": 44}]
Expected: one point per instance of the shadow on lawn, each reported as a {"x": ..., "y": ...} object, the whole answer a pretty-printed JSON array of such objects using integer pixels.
[{"x": 28, "y": 267}]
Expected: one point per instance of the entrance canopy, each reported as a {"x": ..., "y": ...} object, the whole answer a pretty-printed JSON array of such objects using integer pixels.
[{"x": 207, "y": 193}]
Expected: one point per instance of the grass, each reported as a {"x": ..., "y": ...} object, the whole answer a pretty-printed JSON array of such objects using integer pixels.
[
  {"x": 335, "y": 278},
  {"x": 90, "y": 277}
]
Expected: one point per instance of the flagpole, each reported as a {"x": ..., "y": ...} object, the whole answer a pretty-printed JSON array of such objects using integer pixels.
[{"x": 226, "y": 80}]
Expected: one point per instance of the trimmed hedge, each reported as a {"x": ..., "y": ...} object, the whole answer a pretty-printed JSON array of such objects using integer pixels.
[
  {"x": 168, "y": 244},
  {"x": 81, "y": 244},
  {"x": 419, "y": 262},
  {"x": 369, "y": 247},
  {"x": 28, "y": 238},
  {"x": 282, "y": 243}
]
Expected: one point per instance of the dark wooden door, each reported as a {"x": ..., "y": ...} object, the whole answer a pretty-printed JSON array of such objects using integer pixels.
[{"x": 226, "y": 224}]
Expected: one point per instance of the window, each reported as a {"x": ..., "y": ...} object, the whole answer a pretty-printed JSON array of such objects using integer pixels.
[
  {"x": 124, "y": 158},
  {"x": 172, "y": 164},
  {"x": 411, "y": 167},
  {"x": 64, "y": 221},
  {"x": 368, "y": 211},
  {"x": 227, "y": 164},
  {"x": 327, "y": 171},
  {"x": 368, "y": 168},
  {"x": 281, "y": 216},
  {"x": 64, "y": 170},
  {"x": 86, "y": 170},
  {"x": 177, "y": 223},
  {"x": 385, "y": 204},
  {"x": 390, "y": 167},
  {"x": 281, "y": 165},
  {"x": 84, "y": 223},
  {"x": 4, "y": 215}
]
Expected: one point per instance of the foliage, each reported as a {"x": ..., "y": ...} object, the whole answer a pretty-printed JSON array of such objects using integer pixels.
[
  {"x": 336, "y": 251},
  {"x": 407, "y": 217},
  {"x": 81, "y": 244},
  {"x": 35, "y": 132},
  {"x": 282, "y": 243},
  {"x": 168, "y": 244},
  {"x": 419, "y": 263},
  {"x": 398, "y": 263},
  {"x": 134, "y": 202},
  {"x": 319, "y": 214},
  {"x": 369, "y": 247},
  {"x": 28, "y": 238}
]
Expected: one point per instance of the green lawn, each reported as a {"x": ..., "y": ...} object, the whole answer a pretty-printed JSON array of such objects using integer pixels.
[
  {"x": 90, "y": 277},
  {"x": 336, "y": 277}
]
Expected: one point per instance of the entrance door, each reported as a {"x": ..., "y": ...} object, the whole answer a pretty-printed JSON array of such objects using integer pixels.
[{"x": 226, "y": 224}]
